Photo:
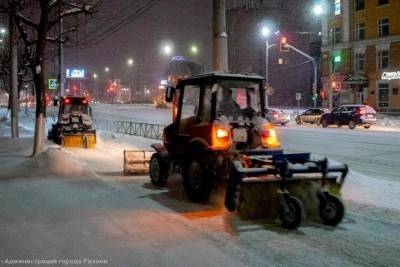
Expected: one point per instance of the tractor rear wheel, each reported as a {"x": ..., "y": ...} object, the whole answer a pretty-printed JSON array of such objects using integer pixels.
[
  {"x": 158, "y": 170},
  {"x": 292, "y": 216},
  {"x": 331, "y": 210},
  {"x": 197, "y": 179}
]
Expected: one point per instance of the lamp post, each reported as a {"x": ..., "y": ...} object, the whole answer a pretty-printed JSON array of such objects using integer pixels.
[
  {"x": 319, "y": 10},
  {"x": 130, "y": 63},
  {"x": 266, "y": 32}
]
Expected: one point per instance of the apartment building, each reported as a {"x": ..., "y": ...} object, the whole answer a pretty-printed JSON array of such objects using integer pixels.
[{"x": 361, "y": 54}]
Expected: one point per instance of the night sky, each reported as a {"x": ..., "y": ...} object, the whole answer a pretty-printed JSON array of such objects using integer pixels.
[{"x": 182, "y": 22}]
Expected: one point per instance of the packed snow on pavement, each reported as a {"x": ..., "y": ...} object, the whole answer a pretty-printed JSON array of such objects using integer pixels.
[{"x": 75, "y": 204}]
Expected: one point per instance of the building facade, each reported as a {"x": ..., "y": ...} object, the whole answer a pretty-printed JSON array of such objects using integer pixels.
[{"x": 361, "y": 54}]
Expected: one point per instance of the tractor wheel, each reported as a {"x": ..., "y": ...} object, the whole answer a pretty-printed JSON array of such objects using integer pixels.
[
  {"x": 352, "y": 124},
  {"x": 197, "y": 179},
  {"x": 324, "y": 123},
  {"x": 292, "y": 217},
  {"x": 331, "y": 210},
  {"x": 158, "y": 170},
  {"x": 298, "y": 120}
]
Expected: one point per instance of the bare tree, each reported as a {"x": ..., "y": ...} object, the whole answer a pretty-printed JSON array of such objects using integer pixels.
[{"x": 35, "y": 21}]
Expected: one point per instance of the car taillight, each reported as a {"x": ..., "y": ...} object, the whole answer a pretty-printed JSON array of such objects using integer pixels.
[
  {"x": 221, "y": 137},
  {"x": 276, "y": 115},
  {"x": 67, "y": 101},
  {"x": 269, "y": 137},
  {"x": 361, "y": 111}
]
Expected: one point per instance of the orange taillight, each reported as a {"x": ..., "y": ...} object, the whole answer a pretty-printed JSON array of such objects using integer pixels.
[
  {"x": 269, "y": 137},
  {"x": 220, "y": 137}
]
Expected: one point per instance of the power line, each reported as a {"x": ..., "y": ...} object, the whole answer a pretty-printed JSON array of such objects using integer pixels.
[{"x": 113, "y": 29}]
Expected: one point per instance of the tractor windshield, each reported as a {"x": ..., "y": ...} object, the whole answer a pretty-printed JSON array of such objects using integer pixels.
[
  {"x": 237, "y": 99},
  {"x": 76, "y": 109}
]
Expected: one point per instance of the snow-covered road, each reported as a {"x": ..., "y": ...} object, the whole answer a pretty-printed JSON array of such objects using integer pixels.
[{"x": 74, "y": 203}]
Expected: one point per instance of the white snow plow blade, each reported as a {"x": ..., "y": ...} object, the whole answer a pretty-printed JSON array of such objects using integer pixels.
[{"x": 136, "y": 161}]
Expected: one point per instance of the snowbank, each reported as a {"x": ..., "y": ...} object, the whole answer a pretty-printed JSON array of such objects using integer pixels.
[
  {"x": 389, "y": 121},
  {"x": 54, "y": 162},
  {"x": 367, "y": 190}
]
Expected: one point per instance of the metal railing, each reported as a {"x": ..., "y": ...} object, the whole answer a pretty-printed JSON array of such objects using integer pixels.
[{"x": 148, "y": 130}]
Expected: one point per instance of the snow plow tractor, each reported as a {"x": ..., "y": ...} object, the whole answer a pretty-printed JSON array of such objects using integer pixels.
[
  {"x": 220, "y": 136},
  {"x": 74, "y": 127}
]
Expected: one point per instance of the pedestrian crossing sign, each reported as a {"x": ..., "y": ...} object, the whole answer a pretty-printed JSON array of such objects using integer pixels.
[{"x": 53, "y": 84}]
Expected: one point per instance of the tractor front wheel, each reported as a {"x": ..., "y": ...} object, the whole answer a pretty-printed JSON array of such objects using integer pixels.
[
  {"x": 158, "y": 170},
  {"x": 197, "y": 180}
]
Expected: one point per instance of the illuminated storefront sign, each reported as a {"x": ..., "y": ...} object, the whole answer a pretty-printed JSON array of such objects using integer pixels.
[
  {"x": 393, "y": 75},
  {"x": 75, "y": 73}
]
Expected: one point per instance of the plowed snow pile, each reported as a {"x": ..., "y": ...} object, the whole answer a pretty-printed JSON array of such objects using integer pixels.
[{"x": 51, "y": 163}]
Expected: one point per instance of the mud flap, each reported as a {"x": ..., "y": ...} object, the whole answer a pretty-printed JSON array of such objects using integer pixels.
[{"x": 136, "y": 162}]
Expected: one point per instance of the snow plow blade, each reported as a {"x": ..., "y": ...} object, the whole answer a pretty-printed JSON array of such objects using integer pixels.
[
  {"x": 81, "y": 140},
  {"x": 136, "y": 161}
]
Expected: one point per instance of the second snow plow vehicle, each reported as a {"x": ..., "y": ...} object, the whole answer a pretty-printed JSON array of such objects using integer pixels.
[
  {"x": 74, "y": 127},
  {"x": 219, "y": 135}
]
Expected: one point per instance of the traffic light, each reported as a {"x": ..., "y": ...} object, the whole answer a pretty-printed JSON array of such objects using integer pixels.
[{"x": 283, "y": 45}]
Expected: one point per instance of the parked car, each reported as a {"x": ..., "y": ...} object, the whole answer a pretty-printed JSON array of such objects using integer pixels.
[
  {"x": 312, "y": 115},
  {"x": 351, "y": 115},
  {"x": 277, "y": 116}
]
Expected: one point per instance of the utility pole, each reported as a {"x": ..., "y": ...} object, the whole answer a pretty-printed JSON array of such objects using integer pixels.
[
  {"x": 220, "y": 37},
  {"x": 60, "y": 51},
  {"x": 266, "y": 71},
  {"x": 331, "y": 68},
  {"x": 14, "y": 77}
]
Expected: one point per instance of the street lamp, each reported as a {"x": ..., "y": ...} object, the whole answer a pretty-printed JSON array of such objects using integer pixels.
[
  {"x": 3, "y": 31},
  {"x": 318, "y": 9},
  {"x": 266, "y": 32},
  {"x": 94, "y": 76},
  {"x": 129, "y": 62},
  {"x": 167, "y": 49},
  {"x": 194, "y": 49},
  {"x": 106, "y": 69}
]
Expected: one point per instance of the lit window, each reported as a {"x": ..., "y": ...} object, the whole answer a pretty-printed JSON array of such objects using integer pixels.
[
  {"x": 337, "y": 7},
  {"x": 359, "y": 62},
  {"x": 383, "y": 27},
  {"x": 383, "y": 59},
  {"x": 360, "y": 31}
]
